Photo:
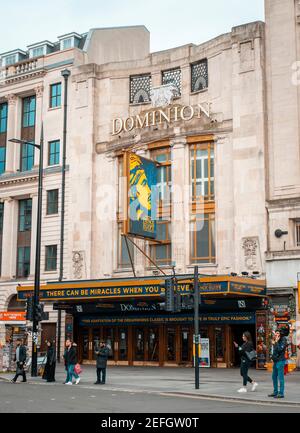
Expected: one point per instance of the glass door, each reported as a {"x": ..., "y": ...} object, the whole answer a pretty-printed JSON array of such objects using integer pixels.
[
  {"x": 95, "y": 341},
  {"x": 153, "y": 345},
  {"x": 123, "y": 344},
  {"x": 85, "y": 344},
  {"x": 108, "y": 337},
  {"x": 171, "y": 344},
  {"x": 186, "y": 346},
  {"x": 139, "y": 344},
  {"x": 219, "y": 346}
]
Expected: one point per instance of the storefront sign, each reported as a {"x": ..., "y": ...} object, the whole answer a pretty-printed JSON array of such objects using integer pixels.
[
  {"x": 159, "y": 116},
  {"x": 142, "y": 175},
  {"x": 224, "y": 319},
  {"x": 8, "y": 316},
  {"x": 117, "y": 290}
]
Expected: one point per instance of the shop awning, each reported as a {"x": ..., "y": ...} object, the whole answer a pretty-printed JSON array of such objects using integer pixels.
[{"x": 148, "y": 287}]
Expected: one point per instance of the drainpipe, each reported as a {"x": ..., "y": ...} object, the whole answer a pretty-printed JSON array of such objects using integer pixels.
[{"x": 65, "y": 73}]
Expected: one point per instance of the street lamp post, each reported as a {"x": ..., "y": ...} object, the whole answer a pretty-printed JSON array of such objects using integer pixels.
[{"x": 40, "y": 147}]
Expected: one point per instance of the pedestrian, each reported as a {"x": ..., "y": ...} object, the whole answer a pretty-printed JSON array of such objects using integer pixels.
[
  {"x": 102, "y": 355},
  {"x": 245, "y": 352},
  {"x": 49, "y": 372},
  {"x": 20, "y": 358},
  {"x": 70, "y": 357},
  {"x": 279, "y": 343}
]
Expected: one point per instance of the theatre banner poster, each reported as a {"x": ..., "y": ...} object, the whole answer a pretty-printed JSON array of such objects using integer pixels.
[{"x": 143, "y": 196}]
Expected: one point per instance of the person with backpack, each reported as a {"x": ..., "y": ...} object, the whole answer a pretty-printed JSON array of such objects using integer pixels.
[
  {"x": 278, "y": 357},
  {"x": 248, "y": 355}
]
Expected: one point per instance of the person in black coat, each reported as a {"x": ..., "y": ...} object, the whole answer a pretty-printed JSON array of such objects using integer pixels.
[
  {"x": 49, "y": 372},
  {"x": 20, "y": 358},
  {"x": 70, "y": 357},
  {"x": 102, "y": 355},
  {"x": 247, "y": 347}
]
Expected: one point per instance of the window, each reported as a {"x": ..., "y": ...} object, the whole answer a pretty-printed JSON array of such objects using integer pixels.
[
  {"x": 53, "y": 154},
  {"x": 297, "y": 226},
  {"x": 202, "y": 172},
  {"x": 55, "y": 95},
  {"x": 173, "y": 76},
  {"x": 52, "y": 202},
  {"x": 10, "y": 60},
  {"x": 123, "y": 255},
  {"x": 1, "y": 231},
  {"x": 161, "y": 253},
  {"x": 67, "y": 43},
  {"x": 25, "y": 209},
  {"x": 1, "y": 217},
  {"x": 140, "y": 87},
  {"x": 51, "y": 258},
  {"x": 3, "y": 118},
  {"x": 203, "y": 239},
  {"x": 199, "y": 72},
  {"x": 29, "y": 106},
  {"x": 23, "y": 262},
  {"x": 37, "y": 52},
  {"x": 2, "y": 159},
  {"x": 27, "y": 157},
  {"x": 202, "y": 228}
]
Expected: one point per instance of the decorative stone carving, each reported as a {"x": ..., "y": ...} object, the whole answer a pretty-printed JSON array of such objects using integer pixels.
[
  {"x": 252, "y": 259},
  {"x": 39, "y": 90},
  {"x": 11, "y": 99},
  {"x": 162, "y": 96},
  {"x": 78, "y": 264}
]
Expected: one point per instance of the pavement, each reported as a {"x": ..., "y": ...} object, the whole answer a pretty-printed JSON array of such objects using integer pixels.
[{"x": 221, "y": 385}]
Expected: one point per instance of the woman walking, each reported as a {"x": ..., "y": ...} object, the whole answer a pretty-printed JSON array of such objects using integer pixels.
[
  {"x": 70, "y": 357},
  {"x": 244, "y": 351},
  {"x": 49, "y": 372}
]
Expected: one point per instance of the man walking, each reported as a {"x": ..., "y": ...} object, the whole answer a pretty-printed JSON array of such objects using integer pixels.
[
  {"x": 102, "y": 355},
  {"x": 279, "y": 360},
  {"x": 20, "y": 358}
]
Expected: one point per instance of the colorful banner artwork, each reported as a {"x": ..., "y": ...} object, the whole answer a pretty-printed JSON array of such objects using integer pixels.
[{"x": 142, "y": 197}]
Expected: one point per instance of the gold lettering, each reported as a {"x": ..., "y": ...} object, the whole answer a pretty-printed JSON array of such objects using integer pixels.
[
  {"x": 182, "y": 113},
  {"x": 129, "y": 128},
  {"x": 142, "y": 123},
  {"x": 116, "y": 130},
  {"x": 162, "y": 114},
  {"x": 203, "y": 110}
]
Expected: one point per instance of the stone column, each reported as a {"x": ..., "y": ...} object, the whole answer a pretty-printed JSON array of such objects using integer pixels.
[
  {"x": 9, "y": 239},
  {"x": 180, "y": 203},
  {"x": 38, "y": 123},
  {"x": 34, "y": 198},
  {"x": 11, "y": 148}
]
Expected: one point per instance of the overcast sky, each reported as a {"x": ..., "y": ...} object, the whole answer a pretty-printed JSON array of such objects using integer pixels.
[{"x": 171, "y": 22}]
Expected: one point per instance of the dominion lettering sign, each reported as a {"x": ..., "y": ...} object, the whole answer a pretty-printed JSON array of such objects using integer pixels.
[{"x": 160, "y": 115}]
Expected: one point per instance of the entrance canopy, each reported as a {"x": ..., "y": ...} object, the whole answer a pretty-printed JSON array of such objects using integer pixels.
[{"x": 146, "y": 288}]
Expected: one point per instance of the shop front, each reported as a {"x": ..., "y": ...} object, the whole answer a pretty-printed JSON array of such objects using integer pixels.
[{"x": 127, "y": 315}]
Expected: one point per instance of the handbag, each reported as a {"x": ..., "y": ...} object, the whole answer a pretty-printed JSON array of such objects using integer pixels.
[
  {"x": 252, "y": 356},
  {"x": 77, "y": 369}
]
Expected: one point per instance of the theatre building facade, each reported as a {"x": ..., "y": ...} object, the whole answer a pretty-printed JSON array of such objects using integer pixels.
[
  {"x": 197, "y": 113},
  {"x": 196, "y": 117}
]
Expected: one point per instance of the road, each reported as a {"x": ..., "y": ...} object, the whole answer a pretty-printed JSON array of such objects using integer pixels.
[{"x": 59, "y": 398}]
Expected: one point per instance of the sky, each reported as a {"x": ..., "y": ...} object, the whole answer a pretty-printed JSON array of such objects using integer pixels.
[{"x": 171, "y": 22}]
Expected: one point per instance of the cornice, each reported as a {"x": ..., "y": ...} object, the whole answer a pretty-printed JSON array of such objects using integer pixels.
[
  {"x": 19, "y": 180},
  {"x": 24, "y": 77}
]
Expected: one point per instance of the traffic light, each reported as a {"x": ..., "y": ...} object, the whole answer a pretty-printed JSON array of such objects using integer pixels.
[
  {"x": 38, "y": 314},
  {"x": 168, "y": 295},
  {"x": 29, "y": 309}
]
